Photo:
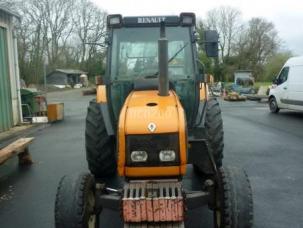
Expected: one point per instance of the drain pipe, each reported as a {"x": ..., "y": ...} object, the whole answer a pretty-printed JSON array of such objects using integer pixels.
[{"x": 163, "y": 86}]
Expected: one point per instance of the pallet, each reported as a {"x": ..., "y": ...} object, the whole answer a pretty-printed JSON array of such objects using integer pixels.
[{"x": 18, "y": 147}]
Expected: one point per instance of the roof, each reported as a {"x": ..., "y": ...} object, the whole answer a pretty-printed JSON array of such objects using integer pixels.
[
  {"x": 9, "y": 12},
  {"x": 70, "y": 71},
  {"x": 151, "y": 21},
  {"x": 294, "y": 61}
]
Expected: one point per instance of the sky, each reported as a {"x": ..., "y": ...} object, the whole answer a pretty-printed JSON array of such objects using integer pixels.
[{"x": 287, "y": 15}]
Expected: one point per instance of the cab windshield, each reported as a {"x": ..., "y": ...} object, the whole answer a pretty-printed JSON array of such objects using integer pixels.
[{"x": 135, "y": 53}]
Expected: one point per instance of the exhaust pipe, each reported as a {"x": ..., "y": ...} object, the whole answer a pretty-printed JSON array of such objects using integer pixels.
[{"x": 163, "y": 62}]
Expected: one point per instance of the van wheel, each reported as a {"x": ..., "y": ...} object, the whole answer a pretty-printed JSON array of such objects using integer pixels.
[{"x": 273, "y": 106}]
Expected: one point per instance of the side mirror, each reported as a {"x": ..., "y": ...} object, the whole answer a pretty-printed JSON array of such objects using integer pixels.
[{"x": 211, "y": 39}]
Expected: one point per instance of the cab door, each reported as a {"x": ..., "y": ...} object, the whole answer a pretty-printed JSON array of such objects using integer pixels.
[
  {"x": 295, "y": 88},
  {"x": 281, "y": 89}
]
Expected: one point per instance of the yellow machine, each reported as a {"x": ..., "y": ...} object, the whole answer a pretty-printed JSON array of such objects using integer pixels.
[{"x": 151, "y": 124}]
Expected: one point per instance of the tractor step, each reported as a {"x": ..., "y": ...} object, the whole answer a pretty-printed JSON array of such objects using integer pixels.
[{"x": 153, "y": 202}]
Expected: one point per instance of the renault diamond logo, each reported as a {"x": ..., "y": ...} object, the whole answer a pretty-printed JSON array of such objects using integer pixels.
[{"x": 151, "y": 127}]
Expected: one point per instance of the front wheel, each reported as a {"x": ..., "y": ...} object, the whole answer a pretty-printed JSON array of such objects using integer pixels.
[
  {"x": 75, "y": 202},
  {"x": 273, "y": 105},
  {"x": 233, "y": 202}
]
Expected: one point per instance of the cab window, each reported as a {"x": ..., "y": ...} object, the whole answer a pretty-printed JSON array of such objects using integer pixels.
[
  {"x": 283, "y": 76},
  {"x": 135, "y": 53}
]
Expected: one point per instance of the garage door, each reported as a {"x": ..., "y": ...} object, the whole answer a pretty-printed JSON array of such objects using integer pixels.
[{"x": 6, "y": 117}]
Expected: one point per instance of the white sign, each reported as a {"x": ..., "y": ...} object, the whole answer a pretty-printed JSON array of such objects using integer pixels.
[{"x": 150, "y": 20}]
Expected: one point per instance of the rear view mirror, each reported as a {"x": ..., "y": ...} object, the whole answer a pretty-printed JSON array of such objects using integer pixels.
[
  {"x": 275, "y": 81},
  {"x": 211, "y": 39}
]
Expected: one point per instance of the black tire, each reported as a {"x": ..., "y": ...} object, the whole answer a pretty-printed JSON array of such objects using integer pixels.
[
  {"x": 214, "y": 130},
  {"x": 234, "y": 204},
  {"x": 75, "y": 202},
  {"x": 273, "y": 105},
  {"x": 100, "y": 147}
]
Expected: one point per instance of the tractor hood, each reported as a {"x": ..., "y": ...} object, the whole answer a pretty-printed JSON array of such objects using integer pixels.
[
  {"x": 149, "y": 113},
  {"x": 144, "y": 114}
]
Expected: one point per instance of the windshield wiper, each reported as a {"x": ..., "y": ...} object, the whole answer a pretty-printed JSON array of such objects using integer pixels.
[
  {"x": 171, "y": 59},
  {"x": 177, "y": 53}
]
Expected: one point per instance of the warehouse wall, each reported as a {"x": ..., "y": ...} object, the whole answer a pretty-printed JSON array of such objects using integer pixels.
[{"x": 6, "y": 23}]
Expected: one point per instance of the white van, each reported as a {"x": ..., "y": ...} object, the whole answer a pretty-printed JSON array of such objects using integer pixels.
[{"x": 287, "y": 88}]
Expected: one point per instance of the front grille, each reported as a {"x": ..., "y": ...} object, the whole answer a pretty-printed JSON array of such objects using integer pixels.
[{"x": 152, "y": 144}]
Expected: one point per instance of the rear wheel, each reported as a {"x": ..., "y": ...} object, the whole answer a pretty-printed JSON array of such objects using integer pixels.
[
  {"x": 214, "y": 136},
  {"x": 273, "y": 105},
  {"x": 100, "y": 147},
  {"x": 234, "y": 205},
  {"x": 75, "y": 202},
  {"x": 214, "y": 130}
]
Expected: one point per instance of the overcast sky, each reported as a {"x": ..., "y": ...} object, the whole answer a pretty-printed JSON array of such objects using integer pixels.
[{"x": 287, "y": 15}]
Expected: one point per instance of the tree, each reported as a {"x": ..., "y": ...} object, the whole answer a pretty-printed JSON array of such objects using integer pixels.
[
  {"x": 30, "y": 34},
  {"x": 227, "y": 21},
  {"x": 257, "y": 43},
  {"x": 274, "y": 65},
  {"x": 91, "y": 27},
  {"x": 57, "y": 31},
  {"x": 58, "y": 27}
]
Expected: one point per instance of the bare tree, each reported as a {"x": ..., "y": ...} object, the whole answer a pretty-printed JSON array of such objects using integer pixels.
[
  {"x": 7, "y": 4},
  {"x": 91, "y": 27},
  {"x": 227, "y": 21},
  {"x": 257, "y": 44},
  {"x": 30, "y": 43},
  {"x": 58, "y": 30},
  {"x": 58, "y": 26}
]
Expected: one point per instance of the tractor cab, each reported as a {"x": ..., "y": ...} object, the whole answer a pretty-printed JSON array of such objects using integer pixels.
[{"x": 133, "y": 57}]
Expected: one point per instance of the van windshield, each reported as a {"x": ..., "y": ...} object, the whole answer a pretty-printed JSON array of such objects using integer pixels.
[{"x": 135, "y": 53}]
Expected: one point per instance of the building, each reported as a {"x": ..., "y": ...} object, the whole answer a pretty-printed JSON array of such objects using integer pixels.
[
  {"x": 10, "y": 101},
  {"x": 243, "y": 75},
  {"x": 64, "y": 77}
]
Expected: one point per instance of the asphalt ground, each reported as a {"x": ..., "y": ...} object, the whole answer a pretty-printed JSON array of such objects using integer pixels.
[{"x": 268, "y": 146}]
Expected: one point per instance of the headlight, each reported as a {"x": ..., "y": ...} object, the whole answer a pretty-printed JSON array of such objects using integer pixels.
[
  {"x": 167, "y": 155},
  {"x": 138, "y": 156},
  {"x": 144, "y": 150}
]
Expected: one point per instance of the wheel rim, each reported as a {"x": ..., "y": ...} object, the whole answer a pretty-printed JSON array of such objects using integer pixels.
[
  {"x": 273, "y": 105},
  {"x": 217, "y": 218},
  {"x": 91, "y": 209},
  {"x": 217, "y": 213},
  {"x": 92, "y": 221}
]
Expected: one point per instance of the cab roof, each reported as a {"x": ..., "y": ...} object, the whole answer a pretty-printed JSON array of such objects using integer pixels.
[
  {"x": 294, "y": 61},
  {"x": 117, "y": 21}
]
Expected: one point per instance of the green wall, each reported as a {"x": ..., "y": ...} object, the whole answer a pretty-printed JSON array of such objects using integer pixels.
[{"x": 6, "y": 117}]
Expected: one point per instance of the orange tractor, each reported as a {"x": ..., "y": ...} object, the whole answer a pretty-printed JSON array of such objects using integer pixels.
[{"x": 151, "y": 124}]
